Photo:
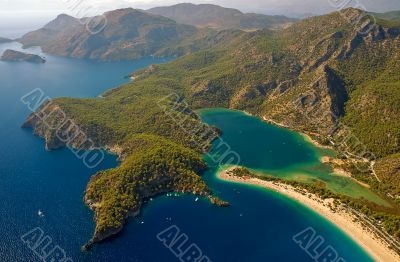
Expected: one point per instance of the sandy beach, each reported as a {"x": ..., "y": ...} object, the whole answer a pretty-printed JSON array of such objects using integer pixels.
[
  {"x": 309, "y": 139},
  {"x": 376, "y": 247}
]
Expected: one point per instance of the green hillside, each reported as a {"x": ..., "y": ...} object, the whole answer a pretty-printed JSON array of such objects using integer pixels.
[{"x": 154, "y": 165}]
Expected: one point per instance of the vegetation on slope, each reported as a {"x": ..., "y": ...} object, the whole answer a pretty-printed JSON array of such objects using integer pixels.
[
  {"x": 388, "y": 169},
  {"x": 373, "y": 112},
  {"x": 153, "y": 166}
]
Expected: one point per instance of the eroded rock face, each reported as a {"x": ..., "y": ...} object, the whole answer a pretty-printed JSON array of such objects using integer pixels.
[{"x": 16, "y": 56}]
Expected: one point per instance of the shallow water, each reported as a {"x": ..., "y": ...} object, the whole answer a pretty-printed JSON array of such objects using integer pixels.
[{"x": 276, "y": 151}]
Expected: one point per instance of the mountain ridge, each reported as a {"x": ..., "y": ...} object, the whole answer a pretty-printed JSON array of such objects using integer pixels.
[
  {"x": 391, "y": 15},
  {"x": 132, "y": 33},
  {"x": 128, "y": 34},
  {"x": 217, "y": 17}
]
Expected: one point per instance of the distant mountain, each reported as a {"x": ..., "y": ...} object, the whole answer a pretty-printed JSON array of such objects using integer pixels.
[
  {"x": 392, "y": 15},
  {"x": 206, "y": 15},
  {"x": 5, "y": 40},
  {"x": 128, "y": 34}
]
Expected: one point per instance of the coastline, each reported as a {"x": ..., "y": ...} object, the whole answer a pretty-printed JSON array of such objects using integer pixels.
[
  {"x": 341, "y": 217},
  {"x": 324, "y": 159},
  {"x": 309, "y": 139}
]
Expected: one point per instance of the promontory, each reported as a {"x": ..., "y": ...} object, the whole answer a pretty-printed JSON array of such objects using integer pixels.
[{"x": 17, "y": 56}]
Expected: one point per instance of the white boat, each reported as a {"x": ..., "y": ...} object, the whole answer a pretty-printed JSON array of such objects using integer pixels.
[
  {"x": 197, "y": 199},
  {"x": 40, "y": 213}
]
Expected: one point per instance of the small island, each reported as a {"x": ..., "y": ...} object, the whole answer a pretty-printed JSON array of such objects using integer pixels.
[
  {"x": 4, "y": 40},
  {"x": 16, "y": 56}
]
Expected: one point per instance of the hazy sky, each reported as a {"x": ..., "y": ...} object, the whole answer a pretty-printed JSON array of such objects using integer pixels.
[
  {"x": 288, "y": 7},
  {"x": 20, "y": 16}
]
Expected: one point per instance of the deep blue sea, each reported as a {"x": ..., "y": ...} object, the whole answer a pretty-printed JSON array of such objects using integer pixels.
[{"x": 258, "y": 226}]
